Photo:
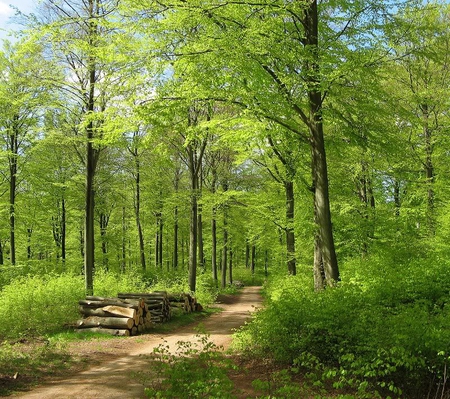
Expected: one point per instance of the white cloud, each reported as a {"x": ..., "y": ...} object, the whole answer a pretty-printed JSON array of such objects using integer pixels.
[{"x": 5, "y": 9}]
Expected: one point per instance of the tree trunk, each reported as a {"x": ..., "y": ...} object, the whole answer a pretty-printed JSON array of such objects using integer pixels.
[
  {"x": 89, "y": 238},
  {"x": 319, "y": 162},
  {"x": 214, "y": 227},
  {"x": 214, "y": 247},
  {"x": 157, "y": 262},
  {"x": 124, "y": 241},
  {"x": 63, "y": 231},
  {"x": 201, "y": 252},
  {"x": 29, "y": 233},
  {"x": 2, "y": 259},
  {"x": 193, "y": 237},
  {"x": 224, "y": 251},
  {"x": 230, "y": 265},
  {"x": 429, "y": 169},
  {"x": 137, "y": 207},
  {"x": 290, "y": 235},
  {"x": 319, "y": 273},
  {"x": 247, "y": 253},
  {"x": 91, "y": 162},
  {"x": 12, "y": 158},
  {"x": 161, "y": 246},
  {"x": 175, "y": 238},
  {"x": 253, "y": 260},
  {"x": 103, "y": 224}
]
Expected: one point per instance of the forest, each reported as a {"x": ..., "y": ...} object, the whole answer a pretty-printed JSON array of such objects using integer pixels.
[{"x": 302, "y": 145}]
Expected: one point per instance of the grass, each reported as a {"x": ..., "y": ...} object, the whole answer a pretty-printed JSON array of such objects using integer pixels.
[{"x": 24, "y": 364}]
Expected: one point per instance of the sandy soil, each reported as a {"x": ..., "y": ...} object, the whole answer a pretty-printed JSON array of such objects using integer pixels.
[{"x": 119, "y": 360}]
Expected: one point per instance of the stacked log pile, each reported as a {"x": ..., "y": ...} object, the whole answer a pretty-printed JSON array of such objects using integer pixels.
[
  {"x": 184, "y": 301},
  {"x": 123, "y": 317},
  {"x": 156, "y": 302}
]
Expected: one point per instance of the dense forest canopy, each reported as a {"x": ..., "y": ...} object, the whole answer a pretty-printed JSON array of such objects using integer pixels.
[{"x": 173, "y": 134}]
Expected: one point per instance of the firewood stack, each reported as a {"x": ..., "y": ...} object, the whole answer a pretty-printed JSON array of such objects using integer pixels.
[
  {"x": 157, "y": 303},
  {"x": 122, "y": 317},
  {"x": 183, "y": 301}
]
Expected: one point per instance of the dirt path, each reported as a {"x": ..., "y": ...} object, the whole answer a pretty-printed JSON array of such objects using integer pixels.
[{"x": 114, "y": 379}]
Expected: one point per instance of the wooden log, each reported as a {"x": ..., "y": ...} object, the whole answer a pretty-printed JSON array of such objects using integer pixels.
[
  {"x": 134, "y": 331},
  {"x": 107, "y": 322},
  {"x": 101, "y": 304},
  {"x": 120, "y": 311},
  {"x": 110, "y": 331},
  {"x": 132, "y": 301},
  {"x": 87, "y": 311}
]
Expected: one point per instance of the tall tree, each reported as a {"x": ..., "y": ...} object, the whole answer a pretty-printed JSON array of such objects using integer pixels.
[
  {"x": 22, "y": 65},
  {"x": 81, "y": 36}
]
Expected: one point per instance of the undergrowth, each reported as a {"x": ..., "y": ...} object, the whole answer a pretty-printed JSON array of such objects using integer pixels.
[
  {"x": 191, "y": 370},
  {"x": 383, "y": 332}
]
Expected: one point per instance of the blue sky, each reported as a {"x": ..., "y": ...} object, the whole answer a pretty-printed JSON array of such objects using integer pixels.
[{"x": 6, "y": 12}]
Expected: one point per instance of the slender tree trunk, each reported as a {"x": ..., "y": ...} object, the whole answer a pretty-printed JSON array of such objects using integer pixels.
[
  {"x": 160, "y": 248},
  {"x": 319, "y": 272},
  {"x": 29, "y": 234},
  {"x": 63, "y": 231},
  {"x": 290, "y": 235},
  {"x": 253, "y": 260},
  {"x": 124, "y": 241},
  {"x": 91, "y": 162},
  {"x": 137, "y": 208},
  {"x": 214, "y": 247},
  {"x": 429, "y": 169},
  {"x": 247, "y": 253},
  {"x": 103, "y": 224},
  {"x": 230, "y": 265},
  {"x": 81, "y": 235},
  {"x": 12, "y": 158},
  {"x": 193, "y": 236},
  {"x": 224, "y": 251},
  {"x": 2, "y": 250},
  {"x": 319, "y": 162},
  {"x": 397, "y": 200},
  {"x": 175, "y": 238},
  {"x": 201, "y": 252},
  {"x": 214, "y": 228},
  {"x": 157, "y": 262}
]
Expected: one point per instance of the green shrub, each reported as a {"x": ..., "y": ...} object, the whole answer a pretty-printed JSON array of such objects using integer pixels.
[
  {"x": 109, "y": 284},
  {"x": 36, "y": 305},
  {"x": 195, "y": 370},
  {"x": 383, "y": 331}
]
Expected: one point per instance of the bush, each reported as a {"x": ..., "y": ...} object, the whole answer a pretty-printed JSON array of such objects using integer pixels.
[
  {"x": 109, "y": 284},
  {"x": 195, "y": 370},
  {"x": 385, "y": 330},
  {"x": 36, "y": 305}
]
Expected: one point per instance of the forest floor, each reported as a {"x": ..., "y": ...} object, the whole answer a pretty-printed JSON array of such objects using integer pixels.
[{"x": 109, "y": 368}]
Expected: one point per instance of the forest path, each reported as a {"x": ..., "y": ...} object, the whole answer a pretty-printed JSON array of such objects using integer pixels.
[{"x": 116, "y": 379}]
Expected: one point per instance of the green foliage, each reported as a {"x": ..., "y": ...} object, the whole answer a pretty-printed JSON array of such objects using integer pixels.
[
  {"x": 377, "y": 333},
  {"x": 109, "y": 284},
  {"x": 36, "y": 305},
  {"x": 196, "y": 370}
]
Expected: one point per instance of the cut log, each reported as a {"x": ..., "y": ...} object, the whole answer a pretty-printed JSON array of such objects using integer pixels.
[
  {"x": 120, "y": 311},
  {"x": 109, "y": 302},
  {"x": 108, "y": 322}
]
